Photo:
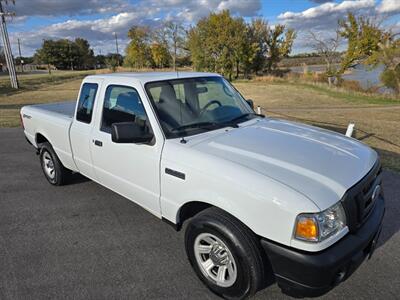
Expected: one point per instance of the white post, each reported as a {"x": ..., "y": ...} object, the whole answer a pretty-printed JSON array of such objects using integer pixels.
[
  {"x": 350, "y": 129},
  {"x": 259, "y": 109}
]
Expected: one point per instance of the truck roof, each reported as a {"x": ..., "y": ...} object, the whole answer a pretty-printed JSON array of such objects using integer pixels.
[{"x": 144, "y": 77}]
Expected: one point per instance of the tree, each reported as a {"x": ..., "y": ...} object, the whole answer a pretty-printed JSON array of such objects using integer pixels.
[
  {"x": 174, "y": 35},
  {"x": 216, "y": 43},
  {"x": 279, "y": 44},
  {"x": 225, "y": 44},
  {"x": 84, "y": 57},
  {"x": 112, "y": 62},
  {"x": 47, "y": 54},
  {"x": 160, "y": 55},
  {"x": 372, "y": 45},
  {"x": 327, "y": 49},
  {"x": 258, "y": 31},
  {"x": 138, "y": 53},
  {"x": 388, "y": 55},
  {"x": 199, "y": 58},
  {"x": 100, "y": 61},
  {"x": 65, "y": 54},
  {"x": 363, "y": 38},
  {"x": 244, "y": 50},
  {"x": 269, "y": 44}
]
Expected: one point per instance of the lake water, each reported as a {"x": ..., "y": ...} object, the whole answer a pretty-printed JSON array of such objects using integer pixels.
[{"x": 364, "y": 75}]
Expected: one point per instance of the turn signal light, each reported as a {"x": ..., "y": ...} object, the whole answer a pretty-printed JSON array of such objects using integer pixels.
[{"x": 307, "y": 229}]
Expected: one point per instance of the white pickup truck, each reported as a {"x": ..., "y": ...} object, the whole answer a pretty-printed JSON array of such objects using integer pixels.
[{"x": 264, "y": 198}]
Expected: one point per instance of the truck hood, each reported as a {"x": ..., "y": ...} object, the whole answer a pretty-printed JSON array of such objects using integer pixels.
[{"x": 315, "y": 162}]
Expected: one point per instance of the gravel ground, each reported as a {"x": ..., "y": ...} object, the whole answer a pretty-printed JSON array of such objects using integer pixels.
[{"x": 83, "y": 241}]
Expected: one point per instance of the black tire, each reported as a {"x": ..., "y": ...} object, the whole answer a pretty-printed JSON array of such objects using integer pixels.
[
  {"x": 61, "y": 174},
  {"x": 242, "y": 244}
]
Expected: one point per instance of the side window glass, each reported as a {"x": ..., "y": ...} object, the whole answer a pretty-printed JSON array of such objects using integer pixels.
[
  {"x": 122, "y": 104},
  {"x": 86, "y": 102}
]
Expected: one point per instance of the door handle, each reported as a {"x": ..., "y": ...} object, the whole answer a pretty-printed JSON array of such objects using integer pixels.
[{"x": 98, "y": 143}]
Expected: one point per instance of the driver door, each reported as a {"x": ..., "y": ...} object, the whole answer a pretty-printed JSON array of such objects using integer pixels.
[{"x": 131, "y": 170}]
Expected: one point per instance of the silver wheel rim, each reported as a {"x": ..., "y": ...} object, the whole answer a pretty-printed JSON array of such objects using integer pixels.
[
  {"x": 215, "y": 260},
  {"x": 48, "y": 165}
]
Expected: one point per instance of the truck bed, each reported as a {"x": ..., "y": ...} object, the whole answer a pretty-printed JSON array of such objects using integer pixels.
[
  {"x": 67, "y": 109},
  {"x": 52, "y": 122}
]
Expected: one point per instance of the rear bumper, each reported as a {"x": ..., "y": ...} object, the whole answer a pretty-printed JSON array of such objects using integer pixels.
[{"x": 307, "y": 274}]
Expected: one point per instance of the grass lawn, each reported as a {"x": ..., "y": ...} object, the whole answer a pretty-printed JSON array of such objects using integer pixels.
[{"x": 377, "y": 119}]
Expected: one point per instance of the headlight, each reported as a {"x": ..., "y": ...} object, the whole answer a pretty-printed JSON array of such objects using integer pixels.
[{"x": 319, "y": 226}]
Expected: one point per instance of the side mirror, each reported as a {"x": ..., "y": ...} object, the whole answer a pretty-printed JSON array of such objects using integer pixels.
[
  {"x": 251, "y": 103},
  {"x": 130, "y": 132}
]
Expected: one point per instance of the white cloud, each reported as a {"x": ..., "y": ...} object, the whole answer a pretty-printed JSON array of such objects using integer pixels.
[
  {"x": 245, "y": 8},
  {"x": 322, "y": 15},
  {"x": 323, "y": 18},
  {"x": 194, "y": 10},
  {"x": 389, "y": 7},
  {"x": 99, "y": 32}
]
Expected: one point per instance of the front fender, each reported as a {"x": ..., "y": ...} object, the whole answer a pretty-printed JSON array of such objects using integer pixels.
[{"x": 269, "y": 208}]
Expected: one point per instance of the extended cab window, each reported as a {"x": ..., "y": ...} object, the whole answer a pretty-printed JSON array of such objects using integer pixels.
[
  {"x": 122, "y": 104},
  {"x": 86, "y": 102}
]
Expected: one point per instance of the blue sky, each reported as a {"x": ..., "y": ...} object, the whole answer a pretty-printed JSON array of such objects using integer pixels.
[{"x": 97, "y": 20}]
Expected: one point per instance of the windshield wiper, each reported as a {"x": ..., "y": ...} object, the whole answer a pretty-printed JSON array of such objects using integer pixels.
[
  {"x": 202, "y": 125},
  {"x": 205, "y": 125},
  {"x": 244, "y": 116},
  {"x": 215, "y": 125}
]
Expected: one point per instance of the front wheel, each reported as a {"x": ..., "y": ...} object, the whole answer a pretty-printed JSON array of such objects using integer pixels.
[{"x": 224, "y": 254}]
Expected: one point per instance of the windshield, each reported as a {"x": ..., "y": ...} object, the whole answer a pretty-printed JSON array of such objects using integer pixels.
[{"x": 193, "y": 105}]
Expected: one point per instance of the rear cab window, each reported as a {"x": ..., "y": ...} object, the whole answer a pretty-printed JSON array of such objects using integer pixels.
[{"x": 87, "y": 97}]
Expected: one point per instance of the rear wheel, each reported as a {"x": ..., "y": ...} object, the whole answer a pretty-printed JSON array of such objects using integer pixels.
[
  {"x": 224, "y": 254},
  {"x": 52, "y": 167}
]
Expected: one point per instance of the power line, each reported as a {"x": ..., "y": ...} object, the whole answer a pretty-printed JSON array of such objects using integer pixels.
[{"x": 7, "y": 47}]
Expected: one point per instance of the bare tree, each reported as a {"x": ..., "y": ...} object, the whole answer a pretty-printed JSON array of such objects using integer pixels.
[
  {"x": 175, "y": 34},
  {"x": 327, "y": 48}
]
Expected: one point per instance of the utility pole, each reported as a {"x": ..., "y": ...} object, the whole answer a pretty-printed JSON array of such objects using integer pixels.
[
  {"x": 116, "y": 46},
  {"x": 21, "y": 62},
  {"x": 7, "y": 46}
]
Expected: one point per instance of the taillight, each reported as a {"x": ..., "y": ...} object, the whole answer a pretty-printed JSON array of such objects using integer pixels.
[{"x": 22, "y": 121}]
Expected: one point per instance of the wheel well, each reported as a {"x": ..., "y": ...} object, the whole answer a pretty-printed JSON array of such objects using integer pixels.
[
  {"x": 189, "y": 210},
  {"x": 40, "y": 139}
]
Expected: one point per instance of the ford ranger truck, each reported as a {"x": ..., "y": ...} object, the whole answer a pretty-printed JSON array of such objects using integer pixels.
[{"x": 261, "y": 198}]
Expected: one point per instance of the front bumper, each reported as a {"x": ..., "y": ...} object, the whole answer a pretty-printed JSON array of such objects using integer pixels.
[{"x": 307, "y": 274}]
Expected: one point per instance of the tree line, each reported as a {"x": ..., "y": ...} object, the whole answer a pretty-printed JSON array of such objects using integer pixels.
[
  {"x": 231, "y": 46},
  {"x": 219, "y": 43}
]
